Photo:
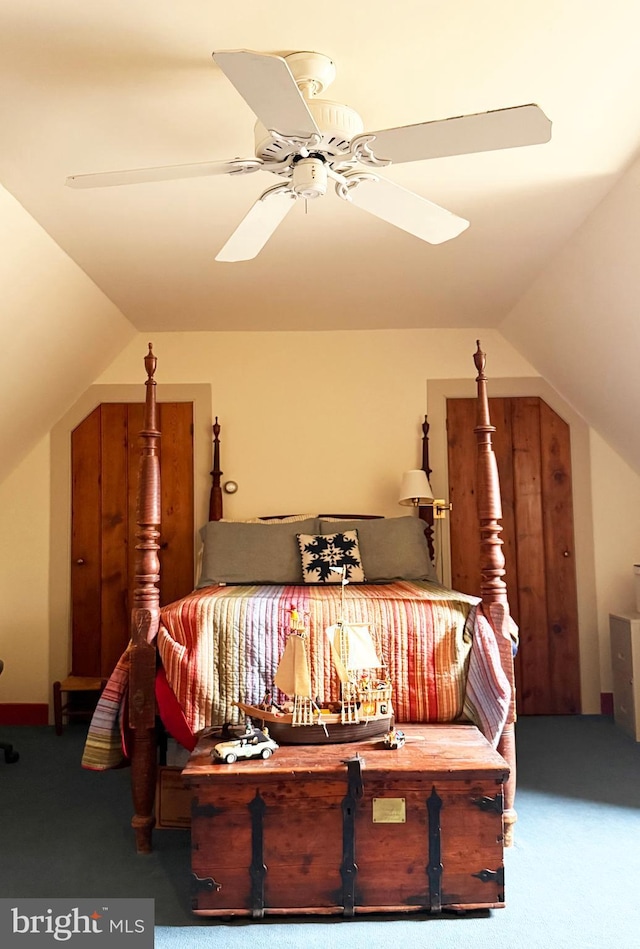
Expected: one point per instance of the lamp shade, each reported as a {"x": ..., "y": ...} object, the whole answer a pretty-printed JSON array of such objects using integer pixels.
[{"x": 415, "y": 489}]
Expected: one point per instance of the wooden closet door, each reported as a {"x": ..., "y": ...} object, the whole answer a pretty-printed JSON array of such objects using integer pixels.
[
  {"x": 105, "y": 459},
  {"x": 532, "y": 446}
]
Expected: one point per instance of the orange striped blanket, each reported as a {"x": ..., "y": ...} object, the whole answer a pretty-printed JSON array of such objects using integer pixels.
[{"x": 222, "y": 644}]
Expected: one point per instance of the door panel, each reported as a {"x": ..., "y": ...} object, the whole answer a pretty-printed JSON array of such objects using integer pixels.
[
  {"x": 113, "y": 534},
  {"x": 532, "y": 661},
  {"x": 532, "y": 447},
  {"x": 105, "y": 461},
  {"x": 562, "y": 593},
  {"x": 86, "y": 559}
]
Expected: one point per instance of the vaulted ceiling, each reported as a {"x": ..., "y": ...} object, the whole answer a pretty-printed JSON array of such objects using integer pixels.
[{"x": 94, "y": 87}]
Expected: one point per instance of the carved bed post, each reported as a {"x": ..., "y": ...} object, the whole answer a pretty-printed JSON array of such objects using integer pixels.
[
  {"x": 144, "y": 621},
  {"x": 426, "y": 513},
  {"x": 493, "y": 589},
  {"x": 215, "y": 498}
]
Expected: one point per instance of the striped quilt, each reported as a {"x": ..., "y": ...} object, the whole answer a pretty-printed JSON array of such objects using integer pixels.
[{"x": 222, "y": 644}]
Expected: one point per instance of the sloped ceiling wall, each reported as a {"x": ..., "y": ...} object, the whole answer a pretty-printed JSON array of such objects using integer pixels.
[
  {"x": 59, "y": 331},
  {"x": 579, "y": 323}
]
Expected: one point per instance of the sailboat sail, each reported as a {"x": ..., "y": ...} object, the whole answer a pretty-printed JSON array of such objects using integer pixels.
[
  {"x": 365, "y": 701},
  {"x": 352, "y": 648},
  {"x": 292, "y": 675}
]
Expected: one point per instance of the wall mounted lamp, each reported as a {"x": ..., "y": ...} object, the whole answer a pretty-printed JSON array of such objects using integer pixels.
[{"x": 415, "y": 491}]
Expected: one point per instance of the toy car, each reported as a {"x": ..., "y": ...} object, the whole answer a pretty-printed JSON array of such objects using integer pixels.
[
  {"x": 394, "y": 739},
  {"x": 254, "y": 744}
]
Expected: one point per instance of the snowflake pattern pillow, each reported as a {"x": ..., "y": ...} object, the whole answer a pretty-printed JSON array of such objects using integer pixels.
[{"x": 321, "y": 552}]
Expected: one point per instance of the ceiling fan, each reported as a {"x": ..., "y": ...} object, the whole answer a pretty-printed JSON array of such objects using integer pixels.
[{"x": 307, "y": 142}]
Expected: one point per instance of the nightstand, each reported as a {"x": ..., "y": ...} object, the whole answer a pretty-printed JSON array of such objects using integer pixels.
[{"x": 624, "y": 630}]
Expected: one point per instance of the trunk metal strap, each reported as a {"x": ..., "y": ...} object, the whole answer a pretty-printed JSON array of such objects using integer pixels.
[
  {"x": 434, "y": 868},
  {"x": 258, "y": 869},
  {"x": 349, "y": 868}
]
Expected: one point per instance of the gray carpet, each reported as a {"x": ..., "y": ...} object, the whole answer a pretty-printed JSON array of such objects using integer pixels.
[{"x": 572, "y": 878}]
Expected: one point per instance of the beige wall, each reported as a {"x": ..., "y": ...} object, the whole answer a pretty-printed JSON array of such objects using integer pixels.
[
  {"x": 578, "y": 321},
  {"x": 309, "y": 420},
  {"x": 59, "y": 332},
  {"x": 322, "y": 420},
  {"x": 24, "y": 579}
]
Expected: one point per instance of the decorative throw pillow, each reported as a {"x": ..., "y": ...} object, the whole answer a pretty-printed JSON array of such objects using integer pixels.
[{"x": 321, "y": 552}]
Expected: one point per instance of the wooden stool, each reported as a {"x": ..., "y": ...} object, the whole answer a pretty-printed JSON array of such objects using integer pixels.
[{"x": 73, "y": 684}]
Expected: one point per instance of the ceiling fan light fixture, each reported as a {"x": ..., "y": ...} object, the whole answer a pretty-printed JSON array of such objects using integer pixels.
[{"x": 309, "y": 177}]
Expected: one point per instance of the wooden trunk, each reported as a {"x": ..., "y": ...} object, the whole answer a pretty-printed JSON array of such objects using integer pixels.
[{"x": 345, "y": 829}]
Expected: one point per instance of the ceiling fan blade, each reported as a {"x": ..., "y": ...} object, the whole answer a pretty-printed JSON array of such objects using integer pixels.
[
  {"x": 482, "y": 132},
  {"x": 267, "y": 85},
  {"x": 402, "y": 208},
  {"x": 258, "y": 225},
  {"x": 107, "y": 179}
]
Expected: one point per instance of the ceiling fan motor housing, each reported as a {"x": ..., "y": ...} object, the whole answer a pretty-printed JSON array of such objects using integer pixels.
[{"x": 337, "y": 123}]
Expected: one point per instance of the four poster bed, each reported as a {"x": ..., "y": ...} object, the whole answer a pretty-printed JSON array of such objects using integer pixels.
[{"x": 449, "y": 656}]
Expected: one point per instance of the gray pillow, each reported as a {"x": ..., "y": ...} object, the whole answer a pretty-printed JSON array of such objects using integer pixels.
[
  {"x": 253, "y": 553},
  {"x": 392, "y": 548}
]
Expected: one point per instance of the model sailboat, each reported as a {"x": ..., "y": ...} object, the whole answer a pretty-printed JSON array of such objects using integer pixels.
[{"x": 364, "y": 709}]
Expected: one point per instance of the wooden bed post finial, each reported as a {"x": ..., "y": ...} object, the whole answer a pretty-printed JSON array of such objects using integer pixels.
[
  {"x": 492, "y": 587},
  {"x": 480, "y": 361},
  {"x": 150, "y": 363}
]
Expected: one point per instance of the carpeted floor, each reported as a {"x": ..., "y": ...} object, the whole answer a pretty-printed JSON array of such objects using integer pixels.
[{"x": 572, "y": 878}]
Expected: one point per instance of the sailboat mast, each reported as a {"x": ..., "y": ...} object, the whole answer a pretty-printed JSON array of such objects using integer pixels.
[{"x": 343, "y": 572}]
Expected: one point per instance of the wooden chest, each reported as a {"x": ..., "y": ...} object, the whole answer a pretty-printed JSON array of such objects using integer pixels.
[{"x": 354, "y": 828}]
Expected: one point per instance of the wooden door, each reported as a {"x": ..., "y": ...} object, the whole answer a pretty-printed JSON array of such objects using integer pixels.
[
  {"x": 533, "y": 452},
  {"x": 105, "y": 461}
]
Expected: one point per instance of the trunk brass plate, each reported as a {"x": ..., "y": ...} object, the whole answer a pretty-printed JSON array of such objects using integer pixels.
[{"x": 389, "y": 810}]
